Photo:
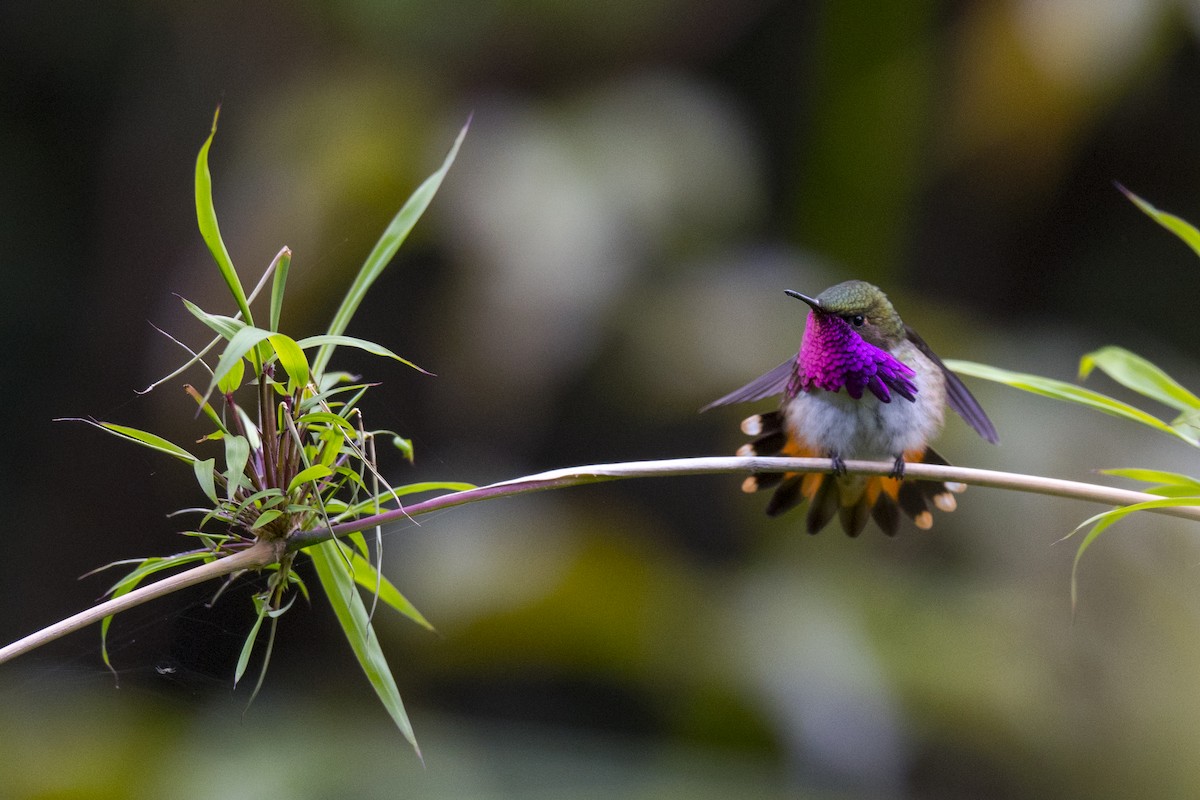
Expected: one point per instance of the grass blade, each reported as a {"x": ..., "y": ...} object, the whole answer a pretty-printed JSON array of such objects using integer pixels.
[
  {"x": 1068, "y": 392},
  {"x": 347, "y": 604},
  {"x": 206, "y": 216},
  {"x": 393, "y": 236},
  {"x": 1176, "y": 225},
  {"x": 1136, "y": 373}
]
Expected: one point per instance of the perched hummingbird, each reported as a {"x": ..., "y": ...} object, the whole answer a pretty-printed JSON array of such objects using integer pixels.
[{"x": 896, "y": 391}]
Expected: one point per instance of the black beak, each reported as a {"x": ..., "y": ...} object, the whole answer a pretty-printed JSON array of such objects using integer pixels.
[{"x": 812, "y": 301}]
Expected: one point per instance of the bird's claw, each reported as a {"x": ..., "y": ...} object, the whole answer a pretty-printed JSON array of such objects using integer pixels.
[
  {"x": 839, "y": 466},
  {"x": 897, "y": 468}
]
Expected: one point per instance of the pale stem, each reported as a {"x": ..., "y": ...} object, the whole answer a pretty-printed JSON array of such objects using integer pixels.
[{"x": 265, "y": 553}]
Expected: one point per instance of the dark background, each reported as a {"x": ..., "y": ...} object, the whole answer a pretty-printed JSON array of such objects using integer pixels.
[{"x": 640, "y": 183}]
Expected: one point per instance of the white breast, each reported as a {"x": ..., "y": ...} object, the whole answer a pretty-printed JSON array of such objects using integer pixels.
[{"x": 834, "y": 422}]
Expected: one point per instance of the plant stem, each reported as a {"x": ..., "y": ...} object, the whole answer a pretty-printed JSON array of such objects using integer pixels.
[
  {"x": 598, "y": 473},
  {"x": 259, "y": 555},
  {"x": 264, "y": 553}
]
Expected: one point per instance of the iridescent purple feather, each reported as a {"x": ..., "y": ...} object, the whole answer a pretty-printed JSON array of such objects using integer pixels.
[{"x": 832, "y": 355}]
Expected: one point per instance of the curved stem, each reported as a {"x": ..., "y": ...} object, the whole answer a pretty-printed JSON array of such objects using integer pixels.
[
  {"x": 265, "y": 553},
  {"x": 598, "y": 473},
  {"x": 260, "y": 555}
]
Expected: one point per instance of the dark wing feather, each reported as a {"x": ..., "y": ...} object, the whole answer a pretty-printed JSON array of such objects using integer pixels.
[
  {"x": 957, "y": 394},
  {"x": 774, "y": 382}
]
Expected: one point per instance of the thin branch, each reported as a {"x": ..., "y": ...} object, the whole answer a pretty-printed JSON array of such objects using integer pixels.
[
  {"x": 599, "y": 473},
  {"x": 265, "y": 553},
  {"x": 256, "y": 557}
]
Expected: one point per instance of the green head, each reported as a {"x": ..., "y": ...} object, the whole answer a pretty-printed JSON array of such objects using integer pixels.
[{"x": 864, "y": 306}]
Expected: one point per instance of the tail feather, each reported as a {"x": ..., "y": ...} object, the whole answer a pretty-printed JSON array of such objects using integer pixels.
[{"x": 853, "y": 499}]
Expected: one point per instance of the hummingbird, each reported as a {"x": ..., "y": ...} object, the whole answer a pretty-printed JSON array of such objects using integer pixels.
[{"x": 894, "y": 400}]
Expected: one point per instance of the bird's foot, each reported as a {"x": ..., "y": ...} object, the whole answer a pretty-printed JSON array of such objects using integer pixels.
[
  {"x": 839, "y": 466},
  {"x": 897, "y": 468}
]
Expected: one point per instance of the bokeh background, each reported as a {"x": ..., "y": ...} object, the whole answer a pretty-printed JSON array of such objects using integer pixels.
[{"x": 640, "y": 182}]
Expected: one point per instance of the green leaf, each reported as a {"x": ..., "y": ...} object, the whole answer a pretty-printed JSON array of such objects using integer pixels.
[
  {"x": 351, "y": 613},
  {"x": 395, "y": 234},
  {"x": 309, "y": 474},
  {"x": 237, "y": 455},
  {"x": 366, "y": 576},
  {"x": 225, "y": 326},
  {"x": 328, "y": 339},
  {"x": 1136, "y": 373},
  {"x": 283, "y": 262},
  {"x": 206, "y": 478},
  {"x": 1155, "y": 476},
  {"x": 232, "y": 379},
  {"x": 1176, "y": 225},
  {"x": 144, "y": 438},
  {"x": 1106, "y": 519},
  {"x": 292, "y": 359},
  {"x": 248, "y": 646},
  {"x": 266, "y": 517},
  {"x": 206, "y": 216},
  {"x": 146, "y": 567},
  {"x": 242, "y": 343},
  {"x": 1068, "y": 392}
]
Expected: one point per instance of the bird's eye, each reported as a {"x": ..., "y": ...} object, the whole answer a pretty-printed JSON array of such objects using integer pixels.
[{"x": 857, "y": 320}]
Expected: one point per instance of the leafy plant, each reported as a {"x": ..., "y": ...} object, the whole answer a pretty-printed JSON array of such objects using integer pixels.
[
  {"x": 293, "y": 451},
  {"x": 1130, "y": 370}
]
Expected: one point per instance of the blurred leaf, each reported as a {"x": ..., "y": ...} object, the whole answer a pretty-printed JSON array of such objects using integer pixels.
[
  {"x": 1069, "y": 392},
  {"x": 395, "y": 234},
  {"x": 1136, "y": 373},
  {"x": 206, "y": 216},
  {"x": 347, "y": 604},
  {"x": 283, "y": 263},
  {"x": 1176, "y": 225}
]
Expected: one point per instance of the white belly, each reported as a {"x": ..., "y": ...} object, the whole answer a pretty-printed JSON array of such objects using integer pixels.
[{"x": 834, "y": 422}]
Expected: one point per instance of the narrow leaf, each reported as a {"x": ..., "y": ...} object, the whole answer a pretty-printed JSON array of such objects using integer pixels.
[
  {"x": 1155, "y": 476},
  {"x": 206, "y": 216},
  {"x": 143, "y": 438},
  {"x": 1106, "y": 519},
  {"x": 242, "y": 343},
  {"x": 395, "y": 234},
  {"x": 351, "y": 613},
  {"x": 283, "y": 262},
  {"x": 312, "y": 473},
  {"x": 206, "y": 478},
  {"x": 368, "y": 577},
  {"x": 331, "y": 340},
  {"x": 248, "y": 646},
  {"x": 1176, "y": 225},
  {"x": 292, "y": 359},
  {"x": 1068, "y": 392},
  {"x": 237, "y": 455},
  {"x": 1136, "y": 373},
  {"x": 232, "y": 379},
  {"x": 225, "y": 326},
  {"x": 266, "y": 517}
]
